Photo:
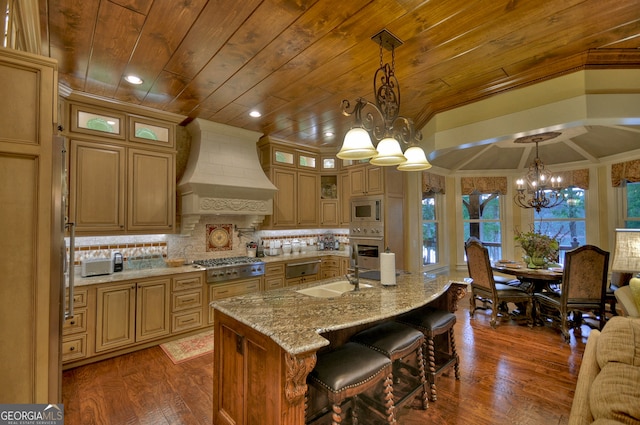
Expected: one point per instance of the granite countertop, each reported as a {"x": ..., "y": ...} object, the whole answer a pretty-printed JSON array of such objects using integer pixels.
[
  {"x": 296, "y": 321},
  {"x": 133, "y": 274}
]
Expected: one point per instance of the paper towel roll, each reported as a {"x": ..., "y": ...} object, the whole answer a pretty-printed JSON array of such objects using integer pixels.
[{"x": 387, "y": 268}]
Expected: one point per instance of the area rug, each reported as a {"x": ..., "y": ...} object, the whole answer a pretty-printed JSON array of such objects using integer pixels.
[{"x": 190, "y": 347}]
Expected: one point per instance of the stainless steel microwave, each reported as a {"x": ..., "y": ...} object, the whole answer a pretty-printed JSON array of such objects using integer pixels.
[{"x": 367, "y": 208}]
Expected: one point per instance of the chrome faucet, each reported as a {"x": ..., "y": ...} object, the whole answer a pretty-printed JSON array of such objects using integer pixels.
[{"x": 355, "y": 281}]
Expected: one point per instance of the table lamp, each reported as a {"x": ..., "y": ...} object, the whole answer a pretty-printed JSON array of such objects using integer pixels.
[{"x": 626, "y": 258}]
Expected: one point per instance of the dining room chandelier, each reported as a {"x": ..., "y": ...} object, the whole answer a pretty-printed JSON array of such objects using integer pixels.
[
  {"x": 381, "y": 121},
  {"x": 538, "y": 188}
]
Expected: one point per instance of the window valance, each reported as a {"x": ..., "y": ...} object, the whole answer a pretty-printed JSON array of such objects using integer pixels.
[
  {"x": 484, "y": 185},
  {"x": 432, "y": 183},
  {"x": 575, "y": 178},
  {"x": 625, "y": 171}
]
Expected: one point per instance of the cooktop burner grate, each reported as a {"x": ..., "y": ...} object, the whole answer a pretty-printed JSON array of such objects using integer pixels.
[{"x": 229, "y": 261}]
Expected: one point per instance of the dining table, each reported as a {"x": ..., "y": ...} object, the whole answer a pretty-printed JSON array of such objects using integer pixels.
[{"x": 542, "y": 279}]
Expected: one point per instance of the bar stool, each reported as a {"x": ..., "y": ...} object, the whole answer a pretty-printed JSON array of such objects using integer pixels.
[
  {"x": 398, "y": 341},
  {"x": 347, "y": 372},
  {"x": 433, "y": 322}
]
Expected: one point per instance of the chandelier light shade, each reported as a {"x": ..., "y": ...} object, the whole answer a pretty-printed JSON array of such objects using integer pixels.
[
  {"x": 357, "y": 145},
  {"x": 380, "y": 122},
  {"x": 538, "y": 188}
]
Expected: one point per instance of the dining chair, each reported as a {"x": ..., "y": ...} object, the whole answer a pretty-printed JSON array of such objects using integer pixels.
[
  {"x": 484, "y": 287},
  {"x": 583, "y": 289},
  {"x": 618, "y": 280}
]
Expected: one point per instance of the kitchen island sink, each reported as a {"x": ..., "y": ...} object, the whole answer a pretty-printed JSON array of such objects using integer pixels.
[{"x": 333, "y": 289}]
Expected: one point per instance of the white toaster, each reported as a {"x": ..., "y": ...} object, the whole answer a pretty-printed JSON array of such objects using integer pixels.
[{"x": 96, "y": 267}]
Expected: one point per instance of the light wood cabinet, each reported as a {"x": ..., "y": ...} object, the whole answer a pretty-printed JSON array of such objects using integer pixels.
[
  {"x": 151, "y": 190},
  {"x": 344, "y": 191},
  {"x": 308, "y": 199},
  {"x": 232, "y": 289},
  {"x": 30, "y": 225},
  {"x": 329, "y": 213},
  {"x": 273, "y": 276},
  {"x": 121, "y": 182},
  {"x": 284, "y": 201},
  {"x": 330, "y": 267},
  {"x": 131, "y": 312},
  {"x": 366, "y": 180},
  {"x": 74, "y": 329},
  {"x": 97, "y": 175},
  {"x": 187, "y": 302},
  {"x": 302, "y": 279}
]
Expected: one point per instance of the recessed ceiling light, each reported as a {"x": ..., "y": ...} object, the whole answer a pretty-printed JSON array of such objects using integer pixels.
[
  {"x": 133, "y": 79},
  {"x": 255, "y": 114},
  {"x": 329, "y": 133}
]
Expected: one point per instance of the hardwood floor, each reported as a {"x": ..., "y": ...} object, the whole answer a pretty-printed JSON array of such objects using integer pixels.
[{"x": 509, "y": 375}]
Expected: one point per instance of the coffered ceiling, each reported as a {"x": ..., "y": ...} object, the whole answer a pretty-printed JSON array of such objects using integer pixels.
[{"x": 296, "y": 60}]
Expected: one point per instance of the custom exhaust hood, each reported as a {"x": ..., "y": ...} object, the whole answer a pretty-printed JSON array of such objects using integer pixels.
[{"x": 223, "y": 175}]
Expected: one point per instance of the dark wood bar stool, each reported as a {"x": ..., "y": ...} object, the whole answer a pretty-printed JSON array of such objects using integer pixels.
[
  {"x": 400, "y": 342},
  {"x": 433, "y": 322},
  {"x": 346, "y": 373}
]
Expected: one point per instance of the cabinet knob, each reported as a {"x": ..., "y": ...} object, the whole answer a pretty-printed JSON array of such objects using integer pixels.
[{"x": 72, "y": 348}]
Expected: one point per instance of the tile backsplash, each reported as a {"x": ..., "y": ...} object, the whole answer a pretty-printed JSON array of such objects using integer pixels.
[{"x": 193, "y": 246}]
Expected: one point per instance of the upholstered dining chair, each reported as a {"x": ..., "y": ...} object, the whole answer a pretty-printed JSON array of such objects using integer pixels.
[
  {"x": 583, "y": 288},
  {"x": 484, "y": 287}
]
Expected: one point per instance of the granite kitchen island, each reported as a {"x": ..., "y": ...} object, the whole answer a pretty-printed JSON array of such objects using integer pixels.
[{"x": 265, "y": 344}]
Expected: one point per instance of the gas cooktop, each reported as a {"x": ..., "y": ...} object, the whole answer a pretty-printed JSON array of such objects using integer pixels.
[
  {"x": 229, "y": 261},
  {"x": 230, "y": 268}
]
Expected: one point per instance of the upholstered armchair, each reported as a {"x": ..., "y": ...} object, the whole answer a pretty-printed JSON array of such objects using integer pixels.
[
  {"x": 484, "y": 287},
  {"x": 626, "y": 302},
  {"x": 584, "y": 284}
]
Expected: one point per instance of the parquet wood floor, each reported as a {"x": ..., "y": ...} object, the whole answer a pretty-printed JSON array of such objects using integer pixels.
[{"x": 509, "y": 375}]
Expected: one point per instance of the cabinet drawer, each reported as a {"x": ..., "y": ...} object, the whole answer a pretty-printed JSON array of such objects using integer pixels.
[
  {"x": 330, "y": 263},
  {"x": 76, "y": 324},
  {"x": 186, "y": 300},
  {"x": 184, "y": 321},
  {"x": 273, "y": 282},
  {"x": 271, "y": 269},
  {"x": 79, "y": 298},
  {"x": 180, "y": 284},
  {"x": 74, "y": 348},
  {"x": 234, "y": 289}
]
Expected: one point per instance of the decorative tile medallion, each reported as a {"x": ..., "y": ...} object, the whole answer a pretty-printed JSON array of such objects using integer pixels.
[{"x": 219, "y": 237}]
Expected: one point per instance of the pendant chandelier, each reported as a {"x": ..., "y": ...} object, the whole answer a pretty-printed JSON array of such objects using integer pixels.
[
  {"x": 538, "y": 188},
  {"x": 381, "y": 121}
]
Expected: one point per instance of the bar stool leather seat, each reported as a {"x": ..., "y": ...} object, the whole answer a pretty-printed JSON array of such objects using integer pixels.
[
  {"x": 347, "y": 372},
  {"x": 440, "y": 357},
  {"x": 398, "y": 341}
]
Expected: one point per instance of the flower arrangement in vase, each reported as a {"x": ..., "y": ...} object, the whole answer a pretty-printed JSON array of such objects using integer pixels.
[{"x": 540, "y": 249}]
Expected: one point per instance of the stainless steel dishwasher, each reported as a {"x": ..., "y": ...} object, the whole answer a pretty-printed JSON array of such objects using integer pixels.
[{"x": 303, "y": 268}]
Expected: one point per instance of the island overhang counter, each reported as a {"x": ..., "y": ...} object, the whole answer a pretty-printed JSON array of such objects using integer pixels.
[{"x": 265, "y": 343}]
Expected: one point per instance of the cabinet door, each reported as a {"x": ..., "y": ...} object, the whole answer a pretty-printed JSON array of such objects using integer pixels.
[
  {"x": 97, "y": 183},
  {"x": 115, "y": 316},
  {"x": 152, "y": 309},
  {"x": 329, "y": 211},
  {"x": 357, "y": 181},
  {"x": 151, "y": 190},
  {"x": 308, "y": 199},
  {"x": 375, "y": 180},
  {"x": 284, "y": 201}
]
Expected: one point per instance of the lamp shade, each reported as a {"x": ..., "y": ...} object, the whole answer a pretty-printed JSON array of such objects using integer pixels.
[
  {"x": 416, "y": 160},
  {"x": 626, "y": 255},
  {"x": 357, "y": 145},
  {"x": 389, "y": 153}
]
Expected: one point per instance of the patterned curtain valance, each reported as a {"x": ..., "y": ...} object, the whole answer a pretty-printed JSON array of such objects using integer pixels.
[
  {"x": 629, "y": 171},
  {"x": 575, "y": 178},
  {"x": 432, "y": 183},
  {"x": 484, "y": 185}
]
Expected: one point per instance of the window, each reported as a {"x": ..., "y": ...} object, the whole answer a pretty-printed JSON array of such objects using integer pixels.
[
  {"x": 567, "y": 219},
  {"x": 481, "y": 219},
  {"x": 430, "y": 254},
  {"x": 632, "y": 205}
]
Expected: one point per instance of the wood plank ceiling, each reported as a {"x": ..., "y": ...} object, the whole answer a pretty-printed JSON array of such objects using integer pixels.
[{"x": 296, "y": 60}]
